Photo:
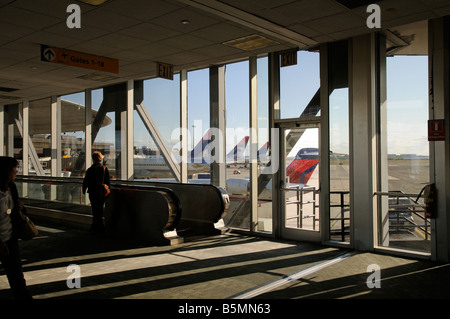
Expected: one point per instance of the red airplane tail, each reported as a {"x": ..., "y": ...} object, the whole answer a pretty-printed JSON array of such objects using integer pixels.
[{"x": 303, "y": 166}]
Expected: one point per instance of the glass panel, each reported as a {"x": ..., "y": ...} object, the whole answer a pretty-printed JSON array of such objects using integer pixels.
[
  {"x": 67, "y": 197},
  {"x": 237, "y": 133},
  {"x": 73, "y": 135},
  {"x": 299, "y": 86},
  {"x": 162, "y": 103},
  {"x": 40, "y": 137},
  {"x": 408, "y": 152},
  {"x": 198, "y": 124},
  {"x": 301, "y": 187},
  {"x": 339, "y": 170}
]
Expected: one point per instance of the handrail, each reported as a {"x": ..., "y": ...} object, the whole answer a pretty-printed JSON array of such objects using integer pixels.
[
  {"x": 343, "y": 208},
  {"x": 396, "y": 194},
  {"x": 414, "y": 208}
]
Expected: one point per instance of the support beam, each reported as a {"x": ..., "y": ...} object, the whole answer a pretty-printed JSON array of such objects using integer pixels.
[
  {"x": 218, "y": 125},
  {"x": 129, "y": 129},
  {"x": 324, "y": 160},
  {"x": 88, "y": 129},
  {"x": 439, "y": 68},
  {"x": 23, "y": 127},
  {"x": 56, "y": 136},
  {"x": 183, "y": 126},
  {"x": 253, "y": 87},
  {"x": 274, "y": 114},
  {"x": 363, "y": 137}
]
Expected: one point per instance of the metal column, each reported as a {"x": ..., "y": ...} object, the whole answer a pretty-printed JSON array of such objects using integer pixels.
[
  {"x": 253, "y": 143},
  {"x": 218, "y": 125},
  {"x": 88, "y": 129},
  {"x": 363, "y": 140},
  {"x": 56, "y": 136},
  {"x": 439, "y": 62},
  {"x": 128, "y": 172},
  {"x": 184, "y": 129},
  {"x": 274, "y": 114}
]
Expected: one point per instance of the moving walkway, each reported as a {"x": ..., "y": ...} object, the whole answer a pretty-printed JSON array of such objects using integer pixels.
[{"x": 151, "y": 212}]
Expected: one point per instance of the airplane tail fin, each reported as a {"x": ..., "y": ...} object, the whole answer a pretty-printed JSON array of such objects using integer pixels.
[
  {"x": 197, "y": 152},
  {"x": 263, "y": 150},
  {"x": 238, "y": 151},
  {"x": 303, "y": 165}
]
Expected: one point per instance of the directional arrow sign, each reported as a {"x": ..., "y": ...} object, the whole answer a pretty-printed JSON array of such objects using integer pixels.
[
  {"x": 78, "y": 59},
  {"x": 49, "y": 54}
]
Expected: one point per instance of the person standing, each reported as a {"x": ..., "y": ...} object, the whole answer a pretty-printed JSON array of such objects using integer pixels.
[
  {"x": 9, "y": 242},
  {"x": 95, "y": 177}
]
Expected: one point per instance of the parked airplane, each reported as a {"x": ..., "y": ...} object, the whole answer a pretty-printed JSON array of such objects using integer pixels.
[
  {"x": 235, "y": 156},
  {"x": 263, "y": 154},
  {"x": 198, "y": 159},
  {"x": 298, "y": 173},
  {"x": 148, "y": 166}
]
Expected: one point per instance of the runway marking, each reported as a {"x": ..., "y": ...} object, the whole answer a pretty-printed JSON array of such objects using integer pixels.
[{"x": 271, "y": 285}]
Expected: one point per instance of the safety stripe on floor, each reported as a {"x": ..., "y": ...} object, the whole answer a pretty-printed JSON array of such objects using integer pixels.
[{"x": 271, "y": 285}]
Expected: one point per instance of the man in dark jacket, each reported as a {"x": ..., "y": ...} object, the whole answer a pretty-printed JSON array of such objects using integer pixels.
[{"x": 95, "y": 177}]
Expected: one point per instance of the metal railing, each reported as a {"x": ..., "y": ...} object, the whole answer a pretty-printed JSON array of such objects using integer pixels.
[
  {"x": 340, "y": 218},
  {"x": 300, "y": 203},
  {"x": 406, "y": 214}
]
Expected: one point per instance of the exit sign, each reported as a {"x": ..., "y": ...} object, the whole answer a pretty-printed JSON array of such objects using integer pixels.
[
  {"x": 436, "y": 130},
  {"x": 165, "y": 71},
  {"x": 288, "y": 58}
]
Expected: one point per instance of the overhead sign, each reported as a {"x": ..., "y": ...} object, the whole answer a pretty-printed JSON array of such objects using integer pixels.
[
  {"x": 288, "y": 58},
  {"x": 78, "y": 59},
  {"x": 165, "y": 71},
  {"x": 436, "y": 130}
]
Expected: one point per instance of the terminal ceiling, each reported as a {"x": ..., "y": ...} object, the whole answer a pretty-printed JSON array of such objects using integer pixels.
[{"x": 188, "y": 34}]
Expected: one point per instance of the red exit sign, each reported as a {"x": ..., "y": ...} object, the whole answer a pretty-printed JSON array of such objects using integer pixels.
[
  {"x": 436, "y": 130},
  {"x": 165, "y": 71}
]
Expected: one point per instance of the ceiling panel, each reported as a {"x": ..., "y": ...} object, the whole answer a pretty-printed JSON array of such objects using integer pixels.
[
  {"x": 197, "y": 20},
  {"x": 149, "y": 32},
  {"x": 140, "y": 33}
]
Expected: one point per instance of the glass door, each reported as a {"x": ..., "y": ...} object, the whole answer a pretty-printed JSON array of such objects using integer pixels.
[{"x": 299, "y": 184}]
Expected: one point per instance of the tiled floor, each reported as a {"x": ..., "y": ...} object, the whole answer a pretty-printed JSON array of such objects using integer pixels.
[{"x": 218, "y": 267}]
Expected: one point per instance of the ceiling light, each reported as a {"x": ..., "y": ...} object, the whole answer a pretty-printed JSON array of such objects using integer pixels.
[
  {"x": 185, "y": 22},
  {"x": 94, "y": 2},
  {"x": 97, "y": 77},
  {"x": 251, "y": 42}
]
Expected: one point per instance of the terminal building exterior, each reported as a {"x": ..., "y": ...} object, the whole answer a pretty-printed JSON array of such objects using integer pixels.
[{"x": 352, "y": 98}]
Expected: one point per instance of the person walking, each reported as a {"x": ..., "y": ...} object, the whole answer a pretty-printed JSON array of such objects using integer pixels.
[
  {"x": 95, "y": 177},
  {"x": 9, "y": 242}
]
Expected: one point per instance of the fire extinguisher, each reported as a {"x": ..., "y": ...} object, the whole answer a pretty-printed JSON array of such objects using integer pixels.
[{"x": 429, "y": 193}]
